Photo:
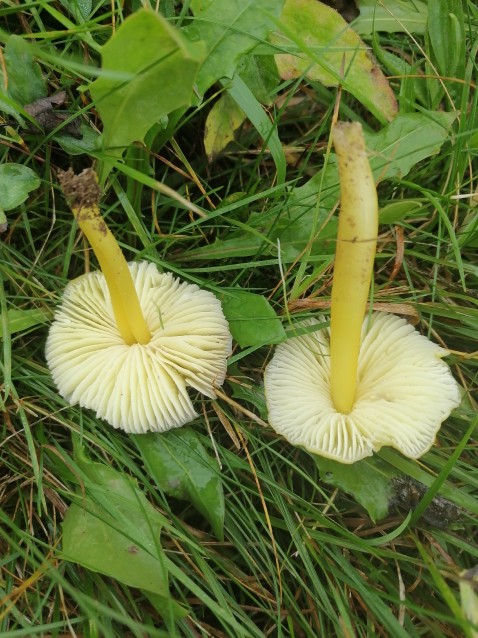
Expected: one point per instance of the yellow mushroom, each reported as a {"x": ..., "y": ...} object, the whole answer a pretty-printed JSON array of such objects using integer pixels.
[
  {"x": 128, "y": 341},
  {"x": 366, "y": 382}
]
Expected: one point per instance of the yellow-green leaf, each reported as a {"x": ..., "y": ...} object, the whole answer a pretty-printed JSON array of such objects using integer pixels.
[
  {"x": 180, "y": 464},
  {"x": 223, "y": 119},
  {"x": 469, "y": 598},
  {"x": 326, "y": 49},
  {"x": 148, "y": 71},
  {"x": 112, "y": 529}
]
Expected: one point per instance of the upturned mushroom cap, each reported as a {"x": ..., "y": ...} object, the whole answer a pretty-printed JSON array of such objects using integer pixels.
[
  {"x": 137, "y": 387},
  {"x": 404, "y": 392}
]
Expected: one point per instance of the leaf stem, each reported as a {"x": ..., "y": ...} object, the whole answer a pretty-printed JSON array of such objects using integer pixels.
[{"x": 354, "y": 258}]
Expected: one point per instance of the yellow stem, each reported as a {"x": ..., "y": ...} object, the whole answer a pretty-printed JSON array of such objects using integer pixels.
[
  {"x": 354, "y": 258},
  {"x": 83, "y": 193}
]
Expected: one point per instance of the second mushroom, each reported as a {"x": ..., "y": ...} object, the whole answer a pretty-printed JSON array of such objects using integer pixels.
[{"x": 369, "y": 380}]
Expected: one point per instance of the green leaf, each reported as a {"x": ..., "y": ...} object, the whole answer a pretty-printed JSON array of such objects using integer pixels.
[
  {"x": 25, "y": 80},
  {"x": 79, "y": 9},
  {"x": 223, "y": 119},
  {"x": 87, "y": 143},
  {"x": 21, "y": 320},
  {"x": 252, "y": 320},
  {"x": 446, "y": 30},
  {"x": 394, "y": 150},
  {"x": 396, "y": 212},
  {"x": 16, "y": 181},
  {"x": 368, "y": 481},
  {"x": 260, "y": 74},
  {"x": 469, "y": 599},
  {"x": 329, "y": 51},
  {"x": 242, "y": 246},
  {"x": 149, "y": 69},
  {"x": 179, "y": 463},
  {"x": 396, "y": 16},
  {"x": 230, "y": 29},
  {"x": 295, "y": 234},
  {"x": 406, "y": 141},
  {"x": 242, "y": 95},
  {"x": 251, "y": 393},
  {"x": 112, "y": 529}
]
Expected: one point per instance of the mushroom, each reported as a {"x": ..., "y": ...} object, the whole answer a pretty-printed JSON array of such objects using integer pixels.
[
  {"x": 344, "y": 392},
  {"x": 129, "y": 340}
]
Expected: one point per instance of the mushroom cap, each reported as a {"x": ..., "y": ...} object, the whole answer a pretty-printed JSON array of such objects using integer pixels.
[
  {"x": 137, "y": 387},
  {"x": 404, "y": 392}
]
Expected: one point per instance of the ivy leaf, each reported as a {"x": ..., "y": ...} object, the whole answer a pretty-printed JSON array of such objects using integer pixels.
[
  {"x": 149, "y": 69},
  {"x": 329, "y": 51},
  {"x": 179, "y": 463},
  {"x": 252, "y": 320}
]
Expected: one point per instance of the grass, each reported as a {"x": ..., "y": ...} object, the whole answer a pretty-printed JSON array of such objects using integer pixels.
[{"x": 299, "y": 558}]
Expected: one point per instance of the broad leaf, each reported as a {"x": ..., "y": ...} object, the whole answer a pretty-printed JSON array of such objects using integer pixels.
[
  {"x": 149, "y": 69},
  {"x": 25, "y": 81},
  {"x": 87, "y": 142},
  {"x": 368, "y": 481},
  {"x": 328, "y": 50},
  {"x": 242, "y": 246},
  {"x": 396, "y": 212},
  {"x": 16, "y": 181},
  {"x": 406, "y": 141},
  {"x": 251, "y": 393},
  {"x": 252, "y": 320},
  {"x": 79, "y": 9},
  {"x": 223, "y": 119},
  {"x": 393, "y": 152},
  {"x": 260, "y": 74},
  {"x": 394, "y": 16},
  {"x": 113, "y": 529},
  {"x": 179, "y": 463},
  {"x": 230, "y": 29}
]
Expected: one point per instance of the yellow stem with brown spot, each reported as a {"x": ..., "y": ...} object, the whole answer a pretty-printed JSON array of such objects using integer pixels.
[
  {"x": 354, "y": 259},
  {"x": 83, "y": 193}
]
